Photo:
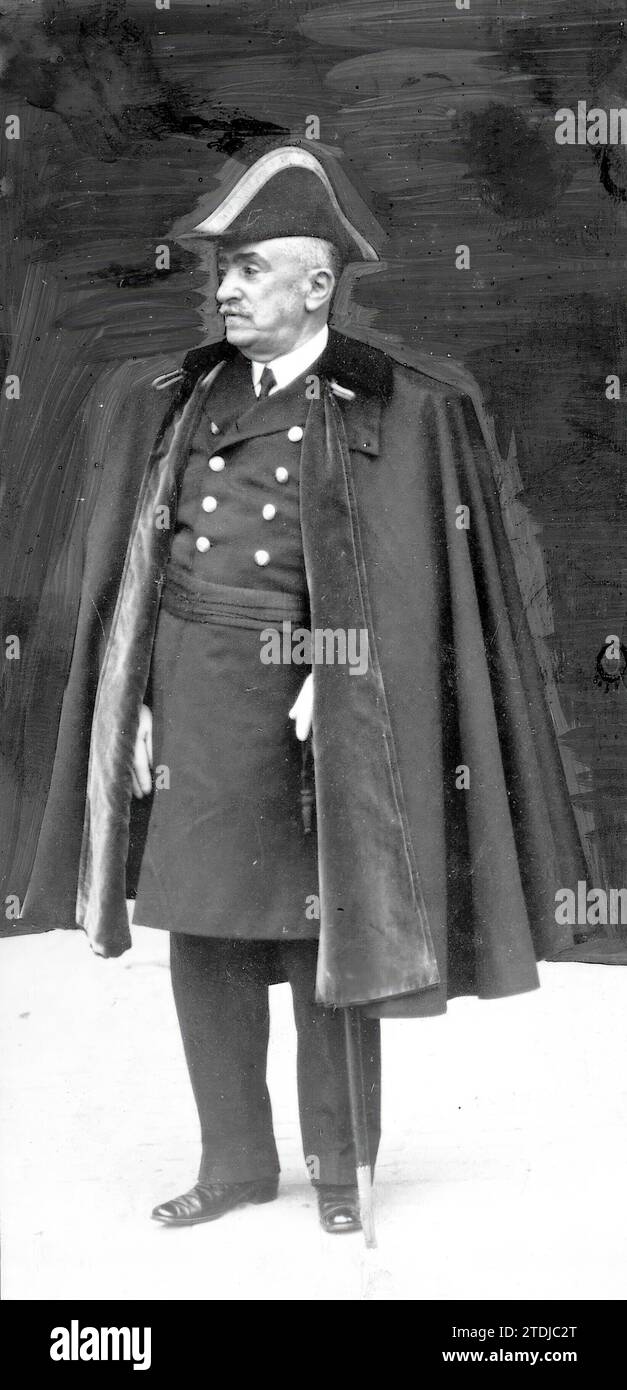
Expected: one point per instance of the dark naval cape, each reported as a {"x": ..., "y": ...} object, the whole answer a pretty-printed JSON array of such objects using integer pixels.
[{"x": 433, "y": 881}]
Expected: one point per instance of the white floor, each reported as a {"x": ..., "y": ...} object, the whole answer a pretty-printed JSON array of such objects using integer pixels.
[{"x": 501, "y": 1173}]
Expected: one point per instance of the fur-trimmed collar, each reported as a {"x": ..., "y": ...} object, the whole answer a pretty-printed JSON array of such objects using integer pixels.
[{"x": 352, "y": 364}]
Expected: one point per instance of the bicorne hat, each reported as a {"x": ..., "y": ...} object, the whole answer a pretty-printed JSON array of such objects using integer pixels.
[{"x": 287, "y": 192}]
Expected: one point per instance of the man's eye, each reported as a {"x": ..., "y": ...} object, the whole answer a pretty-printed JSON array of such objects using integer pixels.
[{"x": 250, "y": 269}]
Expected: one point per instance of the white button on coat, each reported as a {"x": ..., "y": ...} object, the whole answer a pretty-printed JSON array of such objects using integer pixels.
[
  {"x": 202, "y": 544},
  {"x": 216, "y": 463},
  {"x": 215, "y": 429},
  {"x": 261, "y": 557},
  {"x": 281, "y": 475},
  {"x": 295, "y": 433},
  {"x": 209, "y": 504},
  {"x": 269, "y": 512}
]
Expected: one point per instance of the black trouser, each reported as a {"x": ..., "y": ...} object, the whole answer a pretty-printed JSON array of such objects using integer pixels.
[{"x": 221, "y": 995}]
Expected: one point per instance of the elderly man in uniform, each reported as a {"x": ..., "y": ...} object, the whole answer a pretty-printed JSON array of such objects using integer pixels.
[
  {"x": 227, "y": 866},
  {"x": 300, "y": 477}
]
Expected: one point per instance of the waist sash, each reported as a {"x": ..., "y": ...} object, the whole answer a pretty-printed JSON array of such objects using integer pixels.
[{"x": 229, "y": 605}]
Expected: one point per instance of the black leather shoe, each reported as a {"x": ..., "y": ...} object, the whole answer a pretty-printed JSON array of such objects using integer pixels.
[
  {"x": 339, "y": 1209},
  {"x": 208, "y": 1201}
]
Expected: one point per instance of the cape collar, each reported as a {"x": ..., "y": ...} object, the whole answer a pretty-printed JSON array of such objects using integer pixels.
[{"x": 352, "y": 365}]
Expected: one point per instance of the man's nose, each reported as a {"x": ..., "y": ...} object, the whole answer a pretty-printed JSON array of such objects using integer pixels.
[{"x": 227, "y": 288}]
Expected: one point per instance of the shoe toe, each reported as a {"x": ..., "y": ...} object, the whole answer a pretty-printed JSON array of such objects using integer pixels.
[
  {"x": 341, "y": 1222},
  {"x": 339, "y": 1211},
  {"x": 183, "y": 1208},
  {"x": 208, "y": 1203}
]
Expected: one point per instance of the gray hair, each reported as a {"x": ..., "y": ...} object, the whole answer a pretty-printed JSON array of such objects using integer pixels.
[{"x": 314, "y": 253}]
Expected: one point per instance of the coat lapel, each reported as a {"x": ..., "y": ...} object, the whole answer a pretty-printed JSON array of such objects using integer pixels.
[{"x": 265, "y": 417}]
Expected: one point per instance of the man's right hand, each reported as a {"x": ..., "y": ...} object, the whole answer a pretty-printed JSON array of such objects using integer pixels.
[{"x": 142, "y": 755}]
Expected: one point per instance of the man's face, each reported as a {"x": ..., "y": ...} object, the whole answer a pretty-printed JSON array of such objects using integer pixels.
[{"x": 263, "y": 296}]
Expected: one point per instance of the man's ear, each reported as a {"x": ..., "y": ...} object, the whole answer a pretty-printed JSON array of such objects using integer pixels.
[{"x": 321, "y": 287}]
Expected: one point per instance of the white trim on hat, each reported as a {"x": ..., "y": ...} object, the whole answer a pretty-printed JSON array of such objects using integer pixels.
[{"x": 255, "y": 178}]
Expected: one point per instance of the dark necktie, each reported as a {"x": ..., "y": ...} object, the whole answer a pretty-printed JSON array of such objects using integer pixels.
[{"x": 266, "y": 381}]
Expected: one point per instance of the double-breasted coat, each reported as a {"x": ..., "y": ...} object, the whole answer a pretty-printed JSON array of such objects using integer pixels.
[
  {"x": 226, "y": 853},
  {"x": 444, "y": 826}
]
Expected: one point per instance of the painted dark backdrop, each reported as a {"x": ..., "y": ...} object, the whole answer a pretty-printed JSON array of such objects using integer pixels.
[{"x": 445, "y": 122}]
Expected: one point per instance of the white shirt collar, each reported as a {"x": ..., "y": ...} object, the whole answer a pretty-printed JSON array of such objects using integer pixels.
[{"x": 292, "y": 364}]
